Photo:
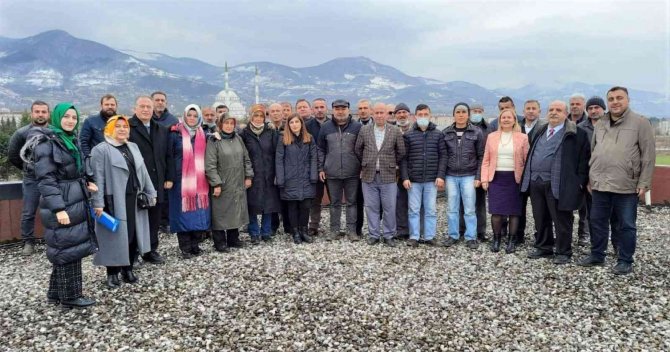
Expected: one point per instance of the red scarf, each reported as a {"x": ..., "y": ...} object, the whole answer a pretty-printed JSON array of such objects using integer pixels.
[{"x": 194, "y": 186}]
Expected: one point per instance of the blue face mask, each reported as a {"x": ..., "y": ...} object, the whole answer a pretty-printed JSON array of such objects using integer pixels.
[
  {"x": 422, "y": 122},
  {"x": 476, "y": 118}
]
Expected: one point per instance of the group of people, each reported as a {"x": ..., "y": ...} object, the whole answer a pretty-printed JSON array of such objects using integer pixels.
[{"x": 208, "y": 175}]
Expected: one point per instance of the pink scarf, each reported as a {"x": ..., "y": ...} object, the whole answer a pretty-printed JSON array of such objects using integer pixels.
[{"x": 194, "y": 186}]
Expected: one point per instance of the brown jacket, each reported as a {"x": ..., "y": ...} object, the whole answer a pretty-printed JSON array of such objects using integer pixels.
[
  {"x": 623, "y": 154},
  {"x": 521, "y": 146},
  {"x": 390, "y": 154}
]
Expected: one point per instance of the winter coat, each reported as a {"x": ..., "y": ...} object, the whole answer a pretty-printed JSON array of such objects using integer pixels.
[
  {"x": 296, "y": 169},
  {"x": 16, "y": 142},
  {"x": 263, "y": 195},
  {"x": 588, "y": 127},
  {"x": 62, "y": 187},
  {"x": 623, "y": 154},
  {"x": 389, "y": 155},
  {"x": 574, "y": 167},
  {"x": 197, "y": 220},
  {"x": 91, "y": 133},
  {"x": 336, "y": 149},
  {"x": 464, "y": 156},
  {"x": 314, "y": 127},
  {"x": 166, "y": 119},
  {"x": 154, "y": 149},
  {"x": 111, "y": 176},
  {"x": 426, "y": 156},
  {"x": 227, "y": 165}
]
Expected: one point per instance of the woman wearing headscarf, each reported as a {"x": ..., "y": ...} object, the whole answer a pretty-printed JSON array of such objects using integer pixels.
[
  {"x": 502, "y": 166},
  {"x": 64, "y": 210},
  {"x": 260, "y": 139},
  {"x": 120, "y": 174},
  {"x": 229, "y": 172},
  {"x": 189, "y": 197},
  {"x": 297, "y": 175}
]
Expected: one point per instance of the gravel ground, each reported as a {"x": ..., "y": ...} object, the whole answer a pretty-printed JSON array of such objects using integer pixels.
[{"x": 350, "y": 296}]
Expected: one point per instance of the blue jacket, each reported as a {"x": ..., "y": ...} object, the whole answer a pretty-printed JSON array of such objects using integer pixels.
[
  {"x": 296, "y": 170},
  {"x": 92, "y": 133},
  {"x": 166, "y": 119}
]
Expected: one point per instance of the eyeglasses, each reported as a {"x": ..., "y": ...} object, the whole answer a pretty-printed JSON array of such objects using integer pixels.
[{"x": 390, "y": 112}]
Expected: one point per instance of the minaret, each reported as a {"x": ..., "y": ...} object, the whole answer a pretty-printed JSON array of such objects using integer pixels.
[
  {"x": 225, "y": 78},
  {"x": 258, "y": 98}
]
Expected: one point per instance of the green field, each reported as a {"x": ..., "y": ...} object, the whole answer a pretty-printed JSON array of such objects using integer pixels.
[{"x": 663, "y": 159}]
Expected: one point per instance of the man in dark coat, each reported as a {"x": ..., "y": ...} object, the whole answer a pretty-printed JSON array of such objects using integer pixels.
[
  {"x": 152, "y": 140},
  {"x": 161, "y": 113},
  {"x": 91, "y": 131},
  {"x": 39, "y": 116},
  {"x": 313, "y": 125},
  {"x": 556, "y": 174}
]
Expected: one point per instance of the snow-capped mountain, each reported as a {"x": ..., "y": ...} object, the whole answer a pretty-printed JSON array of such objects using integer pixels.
[{"x": 55, "y": 66}]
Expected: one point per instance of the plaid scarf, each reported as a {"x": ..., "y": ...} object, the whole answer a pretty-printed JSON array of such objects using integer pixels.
[{"x": 194, "y": 186}]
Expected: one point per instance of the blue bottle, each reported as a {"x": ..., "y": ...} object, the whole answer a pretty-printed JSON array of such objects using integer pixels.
[{"x": 109, "y": 222}]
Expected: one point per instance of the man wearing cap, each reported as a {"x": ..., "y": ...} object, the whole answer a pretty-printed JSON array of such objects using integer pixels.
[
  {"x": 622, "y": 164},
  {"x": 380, "y": 148},
  {"x": 403, "y": 122},
  {"x": 313, "y": 126},
  {"x": 339, "y": 166}
]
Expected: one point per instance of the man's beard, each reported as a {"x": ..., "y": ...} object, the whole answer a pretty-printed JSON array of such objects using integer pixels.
[{"x": 107, "y": 113}]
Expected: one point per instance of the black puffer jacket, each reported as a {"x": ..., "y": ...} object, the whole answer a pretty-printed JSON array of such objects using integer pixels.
[
  {"x": 336, "y": 149},
  {"x": 464, "y": 158},
  {"x": 426, "y": 156},
  {"x": 62, "y": 187},
  {"x": 17, "y": 141},
  {"x": 263, "y": 195},
  {"x": 296, "y": 169}
]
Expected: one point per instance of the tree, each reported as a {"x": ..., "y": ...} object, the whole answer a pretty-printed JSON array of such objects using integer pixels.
[{"x": 7, "y": 128}]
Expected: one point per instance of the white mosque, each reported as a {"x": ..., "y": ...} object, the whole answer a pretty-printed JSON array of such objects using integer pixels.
[{"x": 229, "y": 98}]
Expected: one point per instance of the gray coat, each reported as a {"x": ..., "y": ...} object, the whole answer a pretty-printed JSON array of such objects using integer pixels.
[
  {"x": 227, "y": 164},
  {"x": 111, "y": 175}
]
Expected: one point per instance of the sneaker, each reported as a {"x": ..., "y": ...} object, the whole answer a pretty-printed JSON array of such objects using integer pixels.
[
  {"x": 389, "y": 242},
  {"x": 413, "y": 243},
  {"x": 472, "y": 244},
  {"x": 353, "y": 237},
  {"x": 28, "y": 249},
  {"x": 622, "y": 268},
  {"x": 539, "y": 253},
  {"x": 561, "y": 259},
  {"x": 429, "y": 242},
  {"x": 583, "y": 241},
  {"x": 372, "y": 241},
  {"x": 449, "y": 242},
  {"x": 590, "y": 260}
]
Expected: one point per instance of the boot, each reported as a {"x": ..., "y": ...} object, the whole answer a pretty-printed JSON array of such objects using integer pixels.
[
  {"x": 511, "y": 246},
  {"x": 495, "y": 245},
  {"x": 195, "y": 243},
  {"x": 184, "y": 240},
  {"x": 303, "y": 234},
  {"x": 128, "y": 276},
  {"x": 234, "y": 239},
  {"x": 296, "y": 236},
  {"x": 220, "y": 243},
  {"x": 113, "y": 281}
]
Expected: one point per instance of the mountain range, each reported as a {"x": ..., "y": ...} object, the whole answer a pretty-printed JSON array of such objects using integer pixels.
[{"x": 55, "y": 66}]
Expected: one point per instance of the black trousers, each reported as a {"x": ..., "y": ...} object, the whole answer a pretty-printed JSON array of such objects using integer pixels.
[
  {"x": 360, "y": 209},
  {"x": 545, "y": 211},
  {"x": 155, "y": 214},
  {"x": 402, "y": 211},
  {"x": 284, "y": 218},
  {"x": 189, "y": 241},
  {"x": 315, "y": 211},
  {"x": 298, "y": 211},
  {"x": 65, "y": 281},
  {"x": 584, "y": 226}
]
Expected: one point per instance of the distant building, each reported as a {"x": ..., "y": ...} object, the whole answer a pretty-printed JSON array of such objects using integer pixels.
[
  {"x": 664, "y": 127},
  {"x": 229, "y": 98},
  {"x": 6, "y": 115}
]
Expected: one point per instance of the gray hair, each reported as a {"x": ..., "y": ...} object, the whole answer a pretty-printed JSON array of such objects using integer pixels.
[{"x": 578, "y": 96}]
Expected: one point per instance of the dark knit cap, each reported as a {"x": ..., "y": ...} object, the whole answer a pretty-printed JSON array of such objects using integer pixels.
[
  {"x": 461, "y": 104},
  {"x": 401, "y": 106},
  {"x": 596, "y": 101}
]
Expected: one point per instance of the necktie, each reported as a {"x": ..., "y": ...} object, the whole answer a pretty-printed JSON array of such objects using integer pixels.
[{"x": 551, "y": 133}]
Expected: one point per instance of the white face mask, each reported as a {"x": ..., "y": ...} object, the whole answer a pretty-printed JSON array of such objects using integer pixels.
[
  {"x": 422, "y": 121},
  {"x": 476, "y": 118}
]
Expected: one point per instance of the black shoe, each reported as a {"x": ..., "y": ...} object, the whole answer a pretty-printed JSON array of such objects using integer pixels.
[
  {"x": 511, "y": 245},
  {"x": 80, "y": 302},
  {"x": 520, "y": 240},
  {"x": 302, "y": 232},
  {"x": 402, "y": 237},
  {"x": 128, "y": 276},
  {"x": 561, "y": 259},
  {"x": 449, "y": 242},
  {"x": 267, "y": 238},
  {"x": 413, "y": 243},
  {"x": 313, "y": 232},
  {"x": 372, "y": 241},
  {"x": 472, "y": 244},
  {"x": 196, "y": 251},
  {"x": 113, "y": 281},
  {"x": 495, "y": 245},
  {"x": 255, "y": 240},
  {"x": 539, "y": 253},
  {"x": 296, "y": 236},
  {"x": 222, "y": 249},
  {"x": 622, "y": 268},
  {"x": 389, "y": 242},
  {"x": 429, "y": 242},
  {"x": 54, "y": 301},
  {"x": 153, "y": 258},
  {"x": 481, "y": 237},
  {"x": 590, "y": 260},
  {"x": 187, "y": 255},
  {"x": 583, "y": 240}
]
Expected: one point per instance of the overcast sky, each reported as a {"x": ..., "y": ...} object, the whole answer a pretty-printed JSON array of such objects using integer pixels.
[{"x": 492, "y": 43}]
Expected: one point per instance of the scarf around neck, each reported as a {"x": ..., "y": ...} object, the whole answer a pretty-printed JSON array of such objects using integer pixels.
[
  {"x": 194, "y": 186},
  {"x": 69, "y": 139}
]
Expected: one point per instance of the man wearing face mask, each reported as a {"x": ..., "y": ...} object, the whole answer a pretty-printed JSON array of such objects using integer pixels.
[
  {"x": 91, "y": 132},
  {"x": 402, "y": 202},
  {"x": 208, "y": 120}
]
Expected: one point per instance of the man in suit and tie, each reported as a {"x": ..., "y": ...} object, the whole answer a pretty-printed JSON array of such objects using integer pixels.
[
  {"x": 151, "y": 138},
  {"x": 380, "y": 147}
]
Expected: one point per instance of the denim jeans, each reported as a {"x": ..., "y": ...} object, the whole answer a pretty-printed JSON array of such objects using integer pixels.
[
  {"x": 266, "y": 225},
  {"x": 461, "y": 187},
  {"x": 31, "y": 201},
  {"x": 422, "y": 194},
  {"x": 624, "y": 207}
]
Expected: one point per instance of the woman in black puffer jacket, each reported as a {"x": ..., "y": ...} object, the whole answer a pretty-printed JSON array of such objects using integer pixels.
[
  {"x": 63, "y": 207},
  {"x": 297, "y": 175}
]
